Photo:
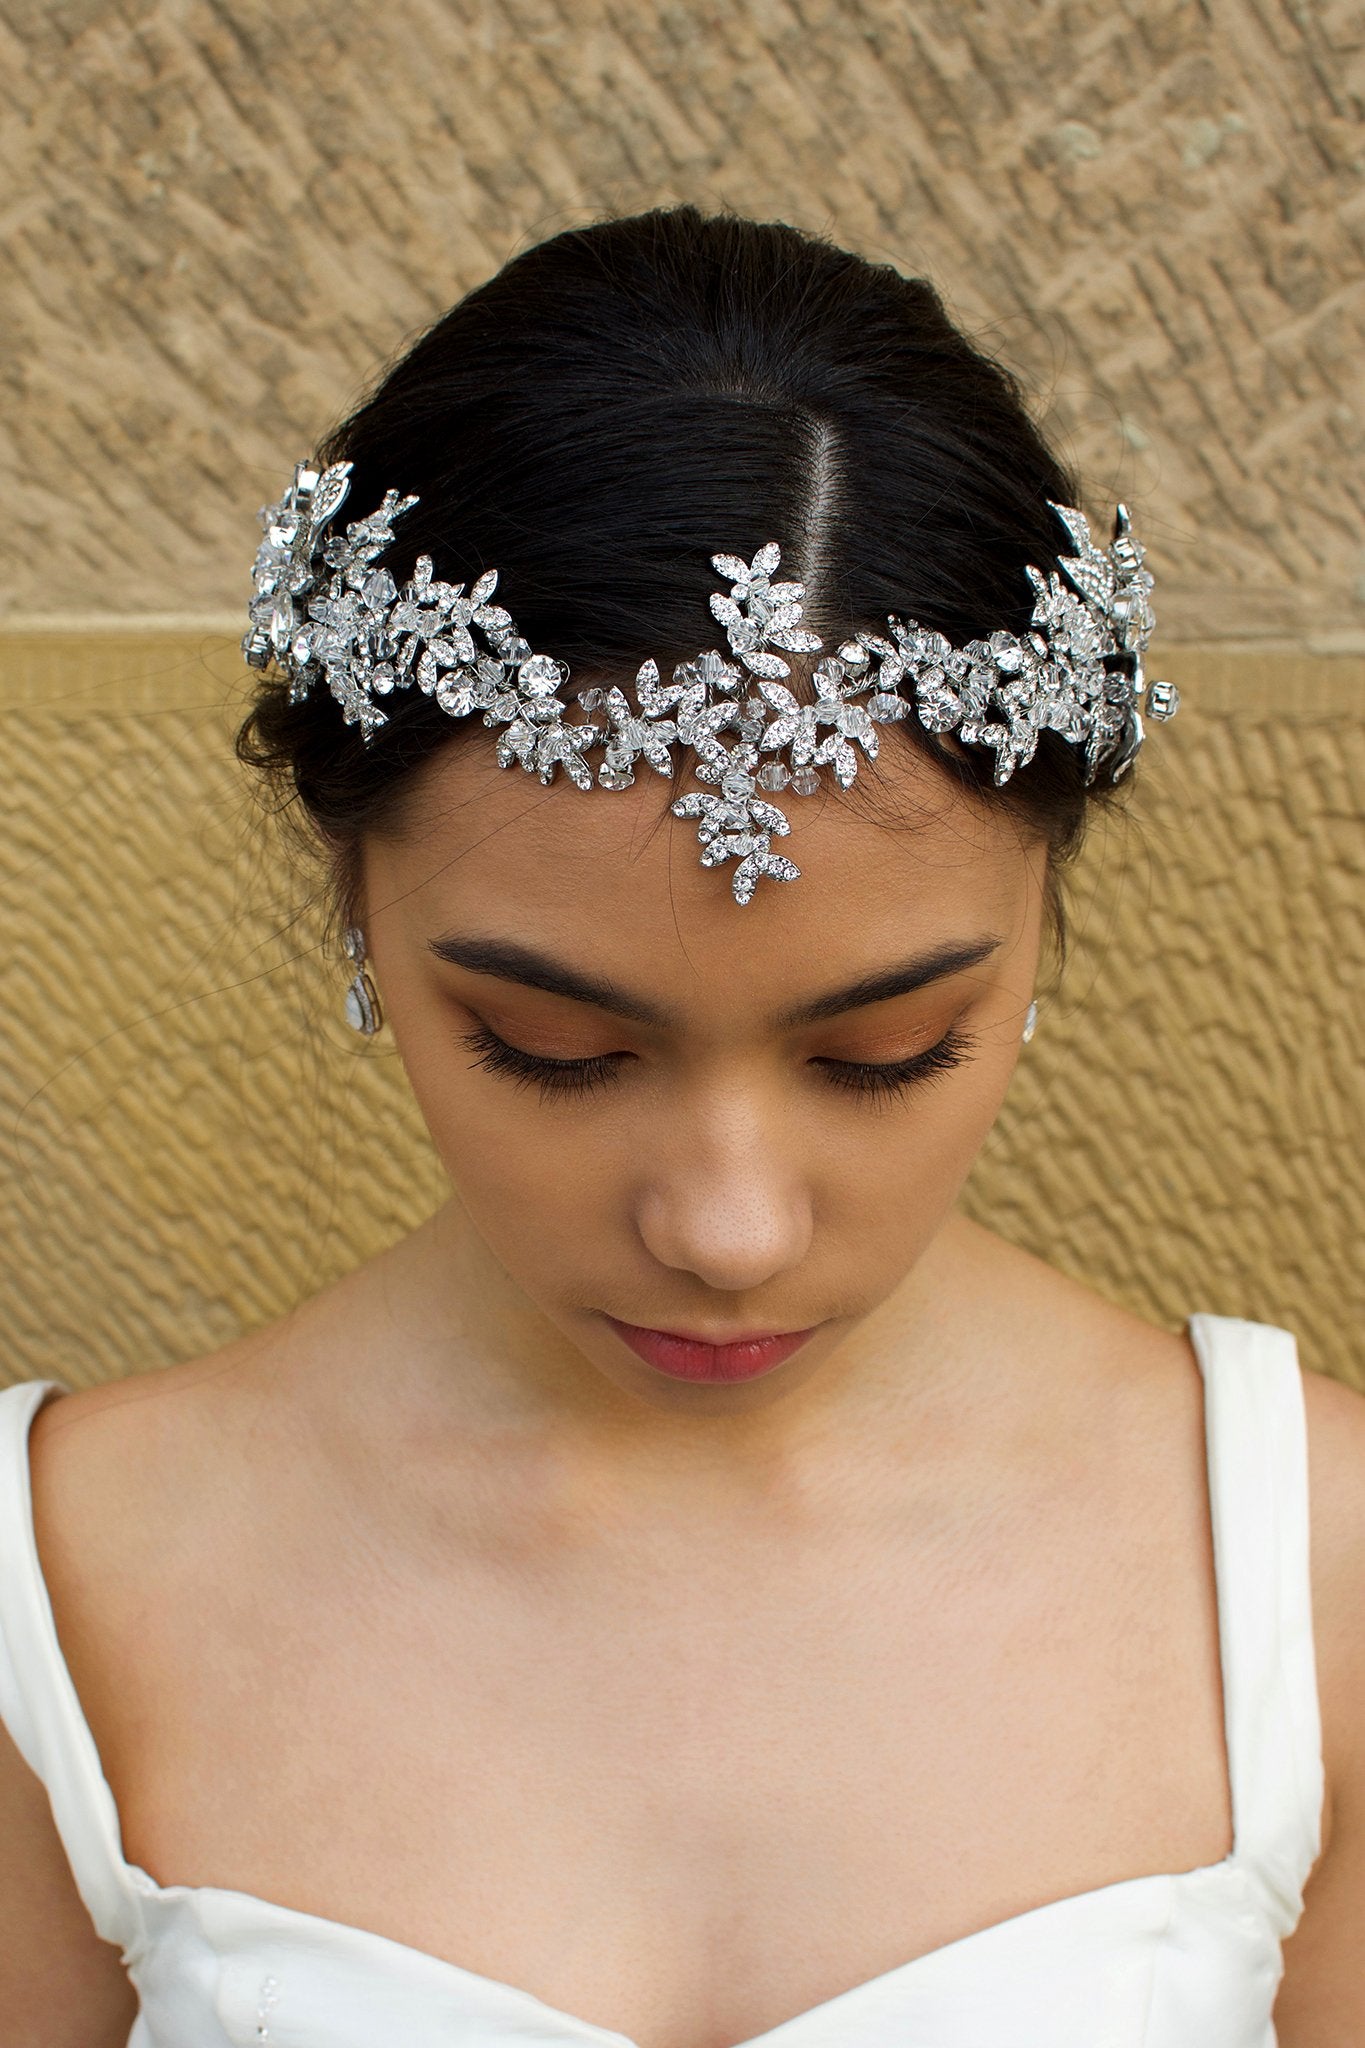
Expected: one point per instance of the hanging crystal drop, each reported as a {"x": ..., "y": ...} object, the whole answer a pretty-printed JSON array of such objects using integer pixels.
[{"x": 362, "y": 1006}]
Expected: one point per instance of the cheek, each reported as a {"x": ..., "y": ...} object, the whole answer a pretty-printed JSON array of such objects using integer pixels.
[
  {"x": 530, "y": 1175},
  {"x": 899, "y": 1171},
  {"x": 554, "y": 1188}
]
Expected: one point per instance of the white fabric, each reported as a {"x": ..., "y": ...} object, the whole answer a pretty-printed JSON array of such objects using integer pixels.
[{"x": 1187, "y": 1959}]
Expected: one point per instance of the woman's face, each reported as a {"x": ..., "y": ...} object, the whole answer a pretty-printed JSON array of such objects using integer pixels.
[{"x": 659, "y": 1106}]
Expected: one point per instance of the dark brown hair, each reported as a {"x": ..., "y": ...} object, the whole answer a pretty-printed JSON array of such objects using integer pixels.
[{"x": 624, "y": 399}]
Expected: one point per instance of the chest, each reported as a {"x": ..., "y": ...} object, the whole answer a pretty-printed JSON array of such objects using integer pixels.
[{"x": 688, "y": 1785}]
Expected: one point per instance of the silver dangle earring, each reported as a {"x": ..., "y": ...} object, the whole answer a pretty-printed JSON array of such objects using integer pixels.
[
  {"x": 1030, "y": 1023},
  {"x": 362, "y": 998}
]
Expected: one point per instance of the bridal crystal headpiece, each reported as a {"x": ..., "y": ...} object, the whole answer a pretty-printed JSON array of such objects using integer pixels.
[{"x": 322, "y": 612}]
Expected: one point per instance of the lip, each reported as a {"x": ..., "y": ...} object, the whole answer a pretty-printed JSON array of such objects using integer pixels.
[{"x": 684, "y": 1357}]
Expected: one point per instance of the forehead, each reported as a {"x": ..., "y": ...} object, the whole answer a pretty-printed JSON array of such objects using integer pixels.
[{"x": 611, "y": 877}]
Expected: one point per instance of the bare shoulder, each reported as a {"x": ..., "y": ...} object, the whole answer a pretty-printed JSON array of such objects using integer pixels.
[
  {"x": 121, "y": 1462},
  {"x": 1335, "y": 1421},
  {"x": 1064, "y": 1330},
  {"x": 61, "y": 1985},
  {"x": 1335, "y": 1425},
  {"x": 1321, "y": 2003},
  {"x": 142, "y": 1490},
  {"x": 107, "y": 1462}
]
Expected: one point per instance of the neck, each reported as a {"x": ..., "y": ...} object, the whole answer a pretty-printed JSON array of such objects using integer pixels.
[{"x": 478, "y": 1356}]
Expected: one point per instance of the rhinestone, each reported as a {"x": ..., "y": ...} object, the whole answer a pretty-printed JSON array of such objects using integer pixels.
[
  {"x": 540, "y": 676},
  {"x": 270, "y": 1993},
  {"x": 362, "y": 1006},
  {"x": 368, "y": 636}
]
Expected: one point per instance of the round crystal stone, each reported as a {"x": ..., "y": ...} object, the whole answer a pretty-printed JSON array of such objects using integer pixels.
[
  {"x": 540, "y": 676},
  {"x": 805, "y": 782},
  {"x": 738, "y": 783},
  {"x": 614, "y": 775},
  {"x": 774, "y": 776},
  {"x": 592, "y": 700}
]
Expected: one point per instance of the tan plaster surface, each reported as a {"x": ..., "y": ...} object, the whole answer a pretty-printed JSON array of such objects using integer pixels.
[{"x": 219, "y": 220}]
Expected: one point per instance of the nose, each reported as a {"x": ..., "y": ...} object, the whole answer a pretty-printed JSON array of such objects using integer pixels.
[{"x": 723, "y": 1199}]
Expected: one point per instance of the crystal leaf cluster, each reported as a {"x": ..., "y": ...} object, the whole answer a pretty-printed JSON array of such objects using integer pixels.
[{"x": 322, "y": 612}]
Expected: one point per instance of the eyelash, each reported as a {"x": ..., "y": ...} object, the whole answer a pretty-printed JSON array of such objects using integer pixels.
[{"x": 879, "y": 1081}]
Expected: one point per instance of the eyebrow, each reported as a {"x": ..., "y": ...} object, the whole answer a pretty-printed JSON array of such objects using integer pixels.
[{"x": 510, "y": 960}]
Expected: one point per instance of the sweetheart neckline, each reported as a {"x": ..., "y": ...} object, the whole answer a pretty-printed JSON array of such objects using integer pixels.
[{"x": 776, "y": 2036}]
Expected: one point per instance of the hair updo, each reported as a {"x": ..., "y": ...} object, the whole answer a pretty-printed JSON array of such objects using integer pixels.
[{"x": 621, "y": 401}]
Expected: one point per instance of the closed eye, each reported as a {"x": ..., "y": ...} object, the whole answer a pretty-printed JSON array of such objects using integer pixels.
[
  {"x": 556, "y": 1077},
  {"x": 884, "y": 1079},
  {"x": 876, "y": 1079}
]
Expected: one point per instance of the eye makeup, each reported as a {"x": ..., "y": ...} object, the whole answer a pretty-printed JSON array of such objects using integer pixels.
[{"x": 881, "y": 1080}]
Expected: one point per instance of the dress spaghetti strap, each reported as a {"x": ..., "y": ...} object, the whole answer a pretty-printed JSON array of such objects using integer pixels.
[
  {"x": 1258, "y": 1487},
  {"x": 1160, "y": 1960},
  {"x": 38, "y": 1702}
]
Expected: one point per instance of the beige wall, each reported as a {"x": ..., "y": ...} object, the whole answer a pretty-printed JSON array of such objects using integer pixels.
[{"x": 219, "y": 221}]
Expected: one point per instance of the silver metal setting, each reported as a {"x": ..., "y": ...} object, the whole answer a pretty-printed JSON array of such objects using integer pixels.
[
  {"x": 362, "y": 1009},
  {"x": 322, "y": 612}
]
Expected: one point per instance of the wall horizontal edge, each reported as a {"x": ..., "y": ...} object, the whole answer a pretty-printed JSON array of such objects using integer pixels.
[
  {"x": 231, "y": 625},
  {"x": 227, "y": 625},
  {"x": 188, "y": 667}
]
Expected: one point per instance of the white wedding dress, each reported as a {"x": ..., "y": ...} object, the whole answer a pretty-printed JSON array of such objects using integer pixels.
[{"x": 1186, "y": 1959}]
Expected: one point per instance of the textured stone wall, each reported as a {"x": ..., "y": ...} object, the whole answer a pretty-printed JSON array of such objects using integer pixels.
[{"x": 220, "y": 218}]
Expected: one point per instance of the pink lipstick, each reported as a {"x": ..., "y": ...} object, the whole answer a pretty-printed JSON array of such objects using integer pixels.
[{"x": 694, "y": 1358}]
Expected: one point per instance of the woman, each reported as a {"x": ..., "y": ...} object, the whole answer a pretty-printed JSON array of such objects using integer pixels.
[{"x": 697, "y": 1588}]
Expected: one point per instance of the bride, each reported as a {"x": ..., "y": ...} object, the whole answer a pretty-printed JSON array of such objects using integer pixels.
[{"x": 697, "y": 1588}]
